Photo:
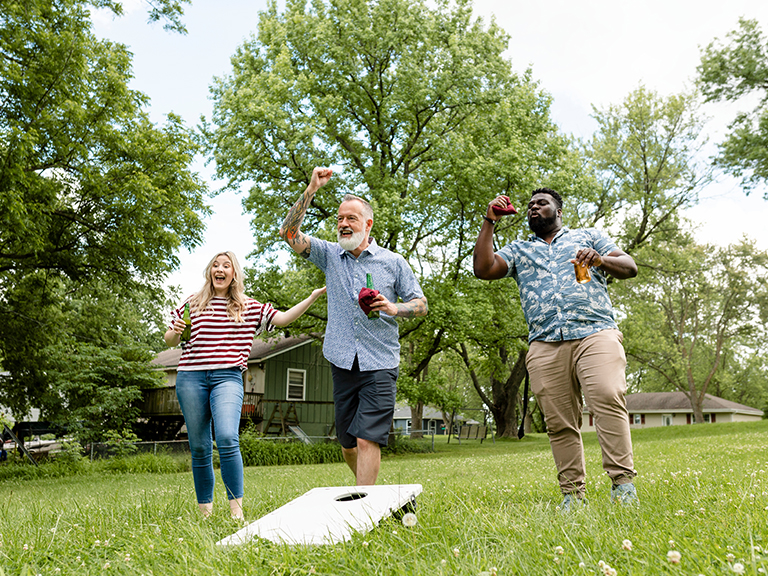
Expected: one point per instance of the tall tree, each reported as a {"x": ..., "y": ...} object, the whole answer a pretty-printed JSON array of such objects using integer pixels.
[
  {"x": 90, "y": 190},
  {"x": 644, "y": 154},
  {"x": 416, "y": 105},
  {"x": 697, "y": 303},
  {"x": 737, "y": 70}
]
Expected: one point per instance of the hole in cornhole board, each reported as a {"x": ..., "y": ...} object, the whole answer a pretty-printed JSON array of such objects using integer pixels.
[
  {"x": 351, "y": 497},
  {"x": 328, "y": 515}
]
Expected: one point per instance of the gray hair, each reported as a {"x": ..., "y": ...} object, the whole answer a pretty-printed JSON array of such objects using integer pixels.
[{"x": 367, "y": 210}]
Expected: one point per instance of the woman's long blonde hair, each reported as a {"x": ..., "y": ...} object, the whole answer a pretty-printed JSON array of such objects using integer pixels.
[{"x": 236, "y": 303}]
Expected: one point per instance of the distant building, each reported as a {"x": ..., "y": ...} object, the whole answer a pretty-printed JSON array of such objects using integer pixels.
[
  {"x": 650, "y": 409},
  {"x": 431, "y": 420}
]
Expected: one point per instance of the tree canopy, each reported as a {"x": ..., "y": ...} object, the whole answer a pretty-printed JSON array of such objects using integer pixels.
[
  {"x": 736, "y": 70},
  {"x": 91, "y": 192},
  {"x": 418, "y": 111}
]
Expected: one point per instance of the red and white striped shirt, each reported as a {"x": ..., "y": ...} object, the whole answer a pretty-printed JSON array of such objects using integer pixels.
[{"x": 217, "y": 340}]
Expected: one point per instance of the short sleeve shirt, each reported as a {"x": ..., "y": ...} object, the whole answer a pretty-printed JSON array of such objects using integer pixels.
[
  {"x": 350, "y": 333},
  {"x": 556, "y": 307},
  {"x": 217, "y": 340}
]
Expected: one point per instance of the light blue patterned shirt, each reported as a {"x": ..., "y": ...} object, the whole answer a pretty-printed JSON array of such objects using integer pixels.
[
  {"x": 350, "y": 332},
  {"x": 556, "y": 307}
]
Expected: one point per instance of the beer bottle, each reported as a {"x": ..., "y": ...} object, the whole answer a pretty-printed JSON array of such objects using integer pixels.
[
  {"x": 186, "y": 335},
  {"x": 369, "y": 284}
]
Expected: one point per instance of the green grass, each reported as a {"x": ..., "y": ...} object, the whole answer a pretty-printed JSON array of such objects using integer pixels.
[{"x": 704, "y": 492}]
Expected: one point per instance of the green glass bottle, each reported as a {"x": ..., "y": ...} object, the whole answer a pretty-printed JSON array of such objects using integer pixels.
[
  {"x": 369, "y": 284},
  {"x": 186, "y": 335}
]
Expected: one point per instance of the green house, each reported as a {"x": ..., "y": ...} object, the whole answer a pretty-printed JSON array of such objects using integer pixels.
[{"x": 288, "y": 390}]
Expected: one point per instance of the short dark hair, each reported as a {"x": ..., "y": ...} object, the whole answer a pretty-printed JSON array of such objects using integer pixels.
[{"x": 555, "y": 195}]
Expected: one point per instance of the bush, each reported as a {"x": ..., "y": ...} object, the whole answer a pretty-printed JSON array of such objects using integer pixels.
[
  {"x": 146, "y": 464},
  {"x": 399, "y": 444},
  {"x": 258, "y": 451}
]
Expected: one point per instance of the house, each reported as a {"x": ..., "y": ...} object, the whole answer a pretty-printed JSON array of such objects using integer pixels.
[
  {"x": 287, "y": 383},
  {"x": 649, "y": 409},
  {"x": 432, "y": 419}
]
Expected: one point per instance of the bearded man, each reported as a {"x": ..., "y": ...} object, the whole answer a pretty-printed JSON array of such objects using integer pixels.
[
  {"x": 364, "y": 351},
  {"x": 575, "y": 346}
]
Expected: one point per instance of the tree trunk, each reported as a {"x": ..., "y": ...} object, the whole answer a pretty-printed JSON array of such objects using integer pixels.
[
  {"x": 504, "y": 392},
  {"x": 416, "y": 421}
]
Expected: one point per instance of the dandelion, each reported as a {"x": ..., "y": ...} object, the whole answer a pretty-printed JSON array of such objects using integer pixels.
[
  {"x": 410, "y": 520},
  {"x": 456, "y": 552},
  {"x": 738, "y": 568},
  {"x": 674, "y": 557},
  {"x": 559, "y": 550},
  {"x": 627, "y": 545}
]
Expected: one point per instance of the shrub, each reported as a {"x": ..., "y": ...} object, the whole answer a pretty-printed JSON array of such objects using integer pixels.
[
  {"x": 257, "y": 451},
  {"x": 160, "y": 463},
  {"x": 399, "y": 444}
]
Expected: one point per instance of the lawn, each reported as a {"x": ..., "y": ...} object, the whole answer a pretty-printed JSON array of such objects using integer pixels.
[{"x": 485, "y": 509}]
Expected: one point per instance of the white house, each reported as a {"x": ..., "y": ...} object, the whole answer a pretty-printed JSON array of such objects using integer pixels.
[{"x": 649, "y": 409}]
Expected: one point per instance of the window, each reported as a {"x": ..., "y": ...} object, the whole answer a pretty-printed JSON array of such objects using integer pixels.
[
  {"x": 637, "y": 419},
  {"x": 296, "y": 384},
  {"x": 666, "y": 419}
]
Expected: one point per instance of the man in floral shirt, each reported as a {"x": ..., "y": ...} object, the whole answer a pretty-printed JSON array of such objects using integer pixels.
[{"x": 575, "y": 344}]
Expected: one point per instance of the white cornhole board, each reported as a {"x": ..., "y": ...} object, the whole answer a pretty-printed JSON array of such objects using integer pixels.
[{"x": 327, "y": 515}]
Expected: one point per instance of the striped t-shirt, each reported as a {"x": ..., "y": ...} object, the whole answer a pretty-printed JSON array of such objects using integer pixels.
[{"x": 217, "y": 340}]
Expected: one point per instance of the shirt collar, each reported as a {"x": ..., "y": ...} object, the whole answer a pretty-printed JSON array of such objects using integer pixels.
[
  {"x": 562, "y": 231},
  {"x": 372, "y": 249}
]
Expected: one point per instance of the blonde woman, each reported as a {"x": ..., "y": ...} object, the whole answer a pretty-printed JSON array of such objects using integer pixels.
[{"x": 209, "y": 383}]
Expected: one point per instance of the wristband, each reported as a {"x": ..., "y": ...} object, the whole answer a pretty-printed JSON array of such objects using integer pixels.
[{"x": 493, "y": 222}]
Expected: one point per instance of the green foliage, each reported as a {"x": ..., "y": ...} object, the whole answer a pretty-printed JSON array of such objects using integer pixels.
[
  {"x": 258, "y": 451},
  {"x": 92, "y": 194},
  {"x": 121, "y": 444},
  {"x": 426, "y": 119},
  {"x": 644, "y": 153},
  {"x": 96, "y": 390},
  {"x": 145, "y": 463},
  {"x": 400, "y": 445},
  {"x": 696, "y": 319},
  {"x": 737, "y": 70}
]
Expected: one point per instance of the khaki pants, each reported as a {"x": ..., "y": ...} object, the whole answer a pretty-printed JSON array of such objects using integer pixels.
[{"x": 560, "y": 372}]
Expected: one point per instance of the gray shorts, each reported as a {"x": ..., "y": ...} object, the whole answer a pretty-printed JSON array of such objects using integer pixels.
[{"x": 364, "y": 403}]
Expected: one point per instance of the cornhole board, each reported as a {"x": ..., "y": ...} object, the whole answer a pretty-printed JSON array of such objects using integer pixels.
[{"x": 327, "y": 515}]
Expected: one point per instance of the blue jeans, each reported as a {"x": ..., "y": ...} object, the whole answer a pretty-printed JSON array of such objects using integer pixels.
[{"x": 213, "y": 395}]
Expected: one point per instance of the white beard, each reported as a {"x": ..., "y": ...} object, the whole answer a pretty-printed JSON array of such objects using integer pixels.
[{"x": 351, "y": 242}]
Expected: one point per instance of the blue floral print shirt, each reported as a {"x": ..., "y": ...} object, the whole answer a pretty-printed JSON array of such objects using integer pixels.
[{"x": 556, "y": 307}]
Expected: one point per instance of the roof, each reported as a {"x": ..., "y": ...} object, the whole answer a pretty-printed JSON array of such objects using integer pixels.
[
  {"x": 670, "y": 402},
  {"x": 429, "y": 413},
  {"x": 261, "y": 350}
]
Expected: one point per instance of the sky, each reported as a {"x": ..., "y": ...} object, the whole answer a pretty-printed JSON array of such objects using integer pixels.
[{"x": 583, "y": 52}]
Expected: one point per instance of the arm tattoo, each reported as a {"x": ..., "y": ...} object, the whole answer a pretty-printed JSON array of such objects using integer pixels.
[
  {"x": 416, "y": 307},
  {"x": 290, "y": 229}
]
